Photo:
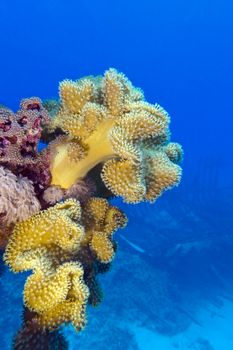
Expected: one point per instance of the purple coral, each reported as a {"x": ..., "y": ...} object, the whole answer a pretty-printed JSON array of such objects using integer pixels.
[
  {"x": 10, "y": 133},
  {"x": 21, "y": 132},
  {"x": 19, "y": 137},
  {"x": 30, "y": 117}
]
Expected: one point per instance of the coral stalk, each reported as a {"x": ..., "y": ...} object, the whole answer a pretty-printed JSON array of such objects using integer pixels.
[{"x": 66, "y": 173}]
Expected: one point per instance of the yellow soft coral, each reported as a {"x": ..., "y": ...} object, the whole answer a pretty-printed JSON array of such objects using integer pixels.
[
  {"x": 43, "y": 243},
  {"x": 47, "y": 230},
  {"x": 110, "y": 123},
  {"x": 60, "y": 298},
  {"x": 75, "y": 95},
  {"x": 101, "y": 221},
  {"x": 48, "y": 244},
  {"x": 161, "y": 174}
]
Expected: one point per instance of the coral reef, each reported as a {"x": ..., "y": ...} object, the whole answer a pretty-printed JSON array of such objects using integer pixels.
[{"x": 104, "y": 140}]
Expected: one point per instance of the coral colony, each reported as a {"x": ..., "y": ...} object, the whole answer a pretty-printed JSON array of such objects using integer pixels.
[{"x": 103, "y": 140}]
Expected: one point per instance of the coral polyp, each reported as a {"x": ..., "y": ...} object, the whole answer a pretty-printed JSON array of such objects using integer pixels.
[{"x": 103, "y": 140}]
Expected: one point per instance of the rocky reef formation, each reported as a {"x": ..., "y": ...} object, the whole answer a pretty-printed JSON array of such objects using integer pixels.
[{"x": 104, "y": 140}]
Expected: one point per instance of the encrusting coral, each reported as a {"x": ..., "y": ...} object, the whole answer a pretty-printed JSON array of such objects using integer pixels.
[{"x": 104, "y": 140}]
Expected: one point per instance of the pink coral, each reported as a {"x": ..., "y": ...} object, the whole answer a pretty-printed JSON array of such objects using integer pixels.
[
  {"x": 18, "y": 199},
  {"x": 82, "y": 191},
  {"x": 53, "y": 194}
]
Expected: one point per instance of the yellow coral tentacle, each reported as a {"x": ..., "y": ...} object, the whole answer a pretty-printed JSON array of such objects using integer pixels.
[
  {"x": 124, "y": 179},
  {"x": 102, "y": 246},
  {"x": 75, "y": 94},
  {"x": 113, "y": 91},
  {"x": 161, "y": 175}
]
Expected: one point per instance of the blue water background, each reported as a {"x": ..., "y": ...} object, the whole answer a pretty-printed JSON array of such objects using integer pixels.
[{"x": 180, "y": 53}]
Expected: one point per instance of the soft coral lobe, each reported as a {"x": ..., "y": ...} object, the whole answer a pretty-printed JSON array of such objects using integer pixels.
[{"x": 103, "y": 140}]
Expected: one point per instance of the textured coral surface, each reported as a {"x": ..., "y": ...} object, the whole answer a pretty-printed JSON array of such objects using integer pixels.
[
  {"x": 108, "y": 121},
  {"x": 104, "y": 140}
]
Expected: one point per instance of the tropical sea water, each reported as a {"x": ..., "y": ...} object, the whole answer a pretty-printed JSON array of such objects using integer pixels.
[{"x": 171, "y": 285}]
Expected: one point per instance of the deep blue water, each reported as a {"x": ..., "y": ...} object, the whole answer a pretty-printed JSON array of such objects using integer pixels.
[{"x": 181, "y": 54}]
